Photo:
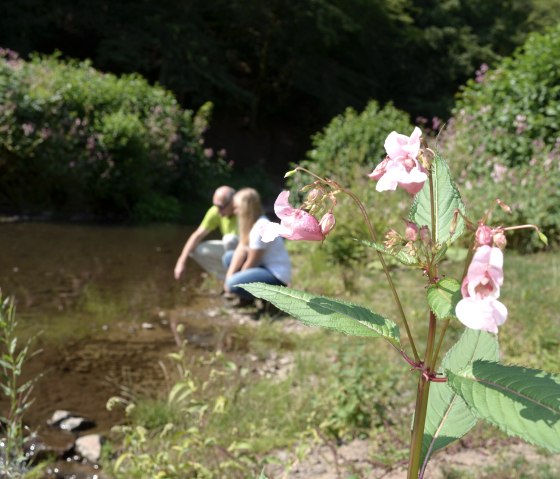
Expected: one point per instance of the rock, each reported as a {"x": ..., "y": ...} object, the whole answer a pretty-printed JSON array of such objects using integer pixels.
[
  {"x": 58, "y": 416},
  {"x": 75, "y": 424},
  {"x": 69, "y": 421},
  {"x": 89, "y": 447}
]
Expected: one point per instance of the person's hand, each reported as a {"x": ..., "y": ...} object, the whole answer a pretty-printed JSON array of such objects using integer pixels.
[{"x": 179, "y": 268}]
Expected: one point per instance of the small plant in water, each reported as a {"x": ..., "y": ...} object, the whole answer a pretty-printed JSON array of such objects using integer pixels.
[
  {"x": 469, "y": 382},
  {"x": 13, "y": 459}
]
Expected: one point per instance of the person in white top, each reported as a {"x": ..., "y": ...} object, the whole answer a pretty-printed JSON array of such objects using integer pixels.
[{"x": 254, "y": 260}]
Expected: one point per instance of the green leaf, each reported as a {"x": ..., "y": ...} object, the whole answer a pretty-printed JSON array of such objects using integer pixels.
[
  {"x": 443, "y": 297},
  {"x": 446, "y": 201},
  {"x": 522, "y": 402},
  {"x": 448, "y": 418},
  {"x": 400, "y": 255},
  {"x": 329, "y": 313}
]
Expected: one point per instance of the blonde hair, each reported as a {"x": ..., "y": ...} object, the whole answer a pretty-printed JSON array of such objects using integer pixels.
[{"x": 248, "y": 209}]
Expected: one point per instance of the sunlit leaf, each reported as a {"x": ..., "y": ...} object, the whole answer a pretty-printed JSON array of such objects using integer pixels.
[
  {"x": 329, "y": 313},
  {"x": 447, "y": 201},
  {"x": 522, "y": 402},
  {"x": 448, "y": 418},
  {"x": 443, "y": 297}
]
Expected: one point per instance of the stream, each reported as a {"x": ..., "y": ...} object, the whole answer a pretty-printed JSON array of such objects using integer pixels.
[{"x": 98, "y": 299}]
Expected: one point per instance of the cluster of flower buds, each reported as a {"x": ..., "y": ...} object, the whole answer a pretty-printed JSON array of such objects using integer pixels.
[
  {"x": 486, "y": 236},
  {"x": 299, "y": 224},
  {"x": 414, "y": 238}
]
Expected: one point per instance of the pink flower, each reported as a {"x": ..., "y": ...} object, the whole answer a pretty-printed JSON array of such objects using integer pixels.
[
  {"x": 295, "y": 224},
  {"x": 479, "y": 308},
  {"x": 401, "y": 166},
  {"x": 411, "y": 231}
]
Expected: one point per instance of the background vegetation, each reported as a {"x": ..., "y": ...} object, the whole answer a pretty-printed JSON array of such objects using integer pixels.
[
  {"x": 232, "y": 419},
  {"x": 266, "y": 67},
  {"x": 303, "y": 61},
  {"x": 77, "y": 141}
]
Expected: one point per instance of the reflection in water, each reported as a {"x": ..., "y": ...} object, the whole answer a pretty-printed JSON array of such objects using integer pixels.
[{"x": 57, "y": 268}]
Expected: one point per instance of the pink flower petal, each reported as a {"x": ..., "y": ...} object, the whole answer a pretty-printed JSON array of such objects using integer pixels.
[
  {"x": 402, "y": 146},
  {"x": 282, "y": 207},
  {"x": 486, "y": 314},
  {"x": 270, "y": 231}
]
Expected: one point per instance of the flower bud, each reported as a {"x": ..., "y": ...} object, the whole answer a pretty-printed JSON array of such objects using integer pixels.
[
  {"x": 483, "y": 235},
  {"x": 327, "y": 223},
  {"x": 499, "y": 238},
  {"x": 502, "y": 205},
  {"x": 425, "y": 235},
  {"x": 314, "y": 195},
  {"x": 411, "y": 231}
]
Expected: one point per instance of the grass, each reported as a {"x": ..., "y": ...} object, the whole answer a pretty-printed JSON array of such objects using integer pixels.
[{"x": 346, "y": 387}]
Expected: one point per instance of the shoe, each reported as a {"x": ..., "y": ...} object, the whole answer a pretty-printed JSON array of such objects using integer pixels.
[
  {"x": 228, "y": 296},
  {"x": 241, "y": 303}
]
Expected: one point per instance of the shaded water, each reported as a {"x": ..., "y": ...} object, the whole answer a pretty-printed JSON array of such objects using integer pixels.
[
  {"x": 49, "y": 267},
  {"x": 90, "y": 288}
]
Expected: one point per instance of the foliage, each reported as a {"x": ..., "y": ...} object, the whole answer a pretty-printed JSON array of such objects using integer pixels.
[
  {"x": 169, "y": 438},
  {"x": 330, "y": 369},
  {"x": 470, "y": 384},
  {"x": 357, "y": 398},
  {"x": 13, "y": 458},
  {"x": 504, "y": 139},
  {"x": 308, "y": 59},
  {"x": 353, "y": 139},
  {"x": 348, "y": 146},
  {"x": 448, "y": 415},
  {"x": 514, "y": 110},
  {"x": 76, "y": 140}
]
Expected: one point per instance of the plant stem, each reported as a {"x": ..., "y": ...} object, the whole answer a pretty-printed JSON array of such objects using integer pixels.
[
  {"x": 386, "y": 271},
  {"x": 429, "y": 360},
  {"x": 421, "y": 405},
  {"x": 440, "y": 341}
]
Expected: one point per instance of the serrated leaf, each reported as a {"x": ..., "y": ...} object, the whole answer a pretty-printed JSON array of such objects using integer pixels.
[
  {"x": 329, "y": 313},
  {"x": 443, "y": 297},
  {"x": 448, "y": 418},
  {"x": 400, "y": 255},
  {"x": 543, "y": 237},
  {"x": 522, "y": 402},
  {"x": 446, "y": 201}
]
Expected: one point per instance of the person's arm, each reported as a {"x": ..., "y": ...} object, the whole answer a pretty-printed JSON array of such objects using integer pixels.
[
  {"x": 194, "y": 240},
  {"x": 237, "y": 260},
  {"x": 254, "y": 257}
]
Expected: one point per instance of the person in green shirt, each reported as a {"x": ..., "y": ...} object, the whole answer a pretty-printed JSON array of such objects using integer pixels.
[{"x": 208, "y": 254}]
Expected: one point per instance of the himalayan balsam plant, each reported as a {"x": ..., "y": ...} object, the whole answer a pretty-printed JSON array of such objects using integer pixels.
[{"x": 469, "y": 382}]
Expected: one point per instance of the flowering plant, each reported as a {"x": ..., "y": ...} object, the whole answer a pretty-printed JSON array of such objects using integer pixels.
[{"x": 469, "y": 382}]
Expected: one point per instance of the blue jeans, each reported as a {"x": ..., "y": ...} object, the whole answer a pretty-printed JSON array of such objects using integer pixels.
[{"x": 251, "y": 275}]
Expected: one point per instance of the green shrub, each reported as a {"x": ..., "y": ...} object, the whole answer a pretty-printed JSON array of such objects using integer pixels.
[
  {"x": 346, "y": 151},
  {"x": 504, "y": 139},
  {"x": 512, "y": 110},
  {"x": 75, "y": 140}
]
